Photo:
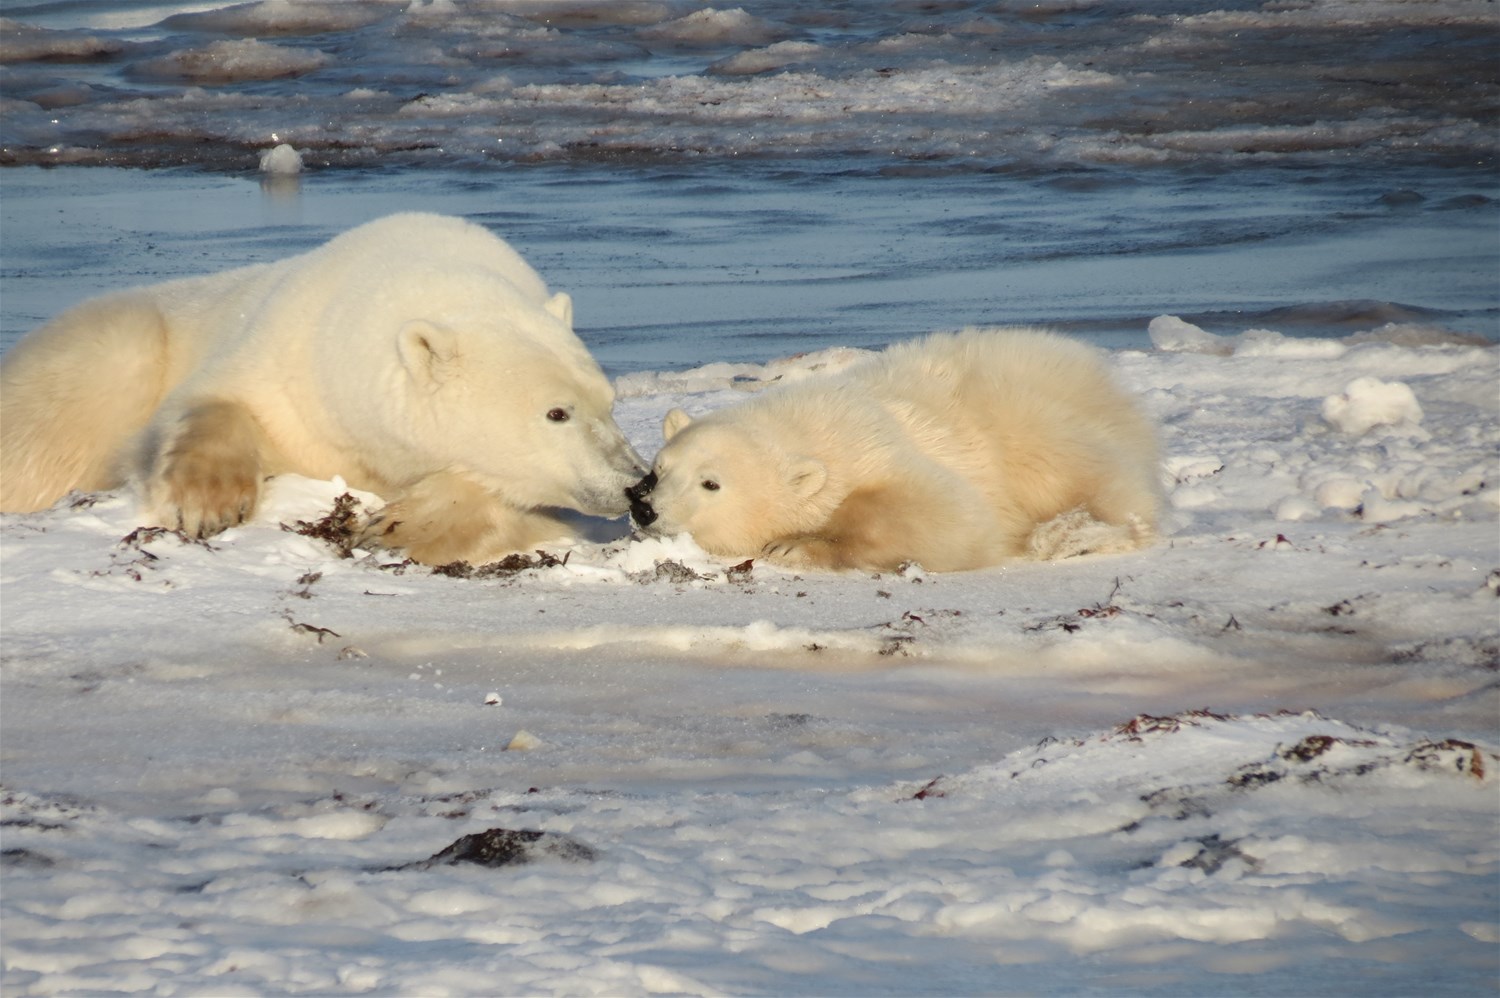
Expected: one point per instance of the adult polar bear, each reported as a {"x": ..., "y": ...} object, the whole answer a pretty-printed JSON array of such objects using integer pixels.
[
  {"x": 955, "y": 451},
  {"x": 418, "y": 356}
]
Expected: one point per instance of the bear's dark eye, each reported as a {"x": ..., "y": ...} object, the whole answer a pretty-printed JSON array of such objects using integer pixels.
[
  {"x": 710, "y": 485},
  {"x": 558, "y": 415}
]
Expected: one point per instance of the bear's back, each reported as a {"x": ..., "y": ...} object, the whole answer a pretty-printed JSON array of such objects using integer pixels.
[{"x": 434, "y": 239}]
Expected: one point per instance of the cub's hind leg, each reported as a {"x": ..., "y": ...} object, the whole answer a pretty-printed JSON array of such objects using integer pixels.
[
  {"x": 931, "y": 518},
  {"x": 206, "y": 473}
]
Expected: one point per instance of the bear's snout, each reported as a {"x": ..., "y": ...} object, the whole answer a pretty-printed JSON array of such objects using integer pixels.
[{"x": 640, "y": 508}]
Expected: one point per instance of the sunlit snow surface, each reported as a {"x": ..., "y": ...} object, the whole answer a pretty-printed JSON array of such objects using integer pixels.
[
  {"x": 1256, "y": 758},
  {"x": 1260, "y": 756}
]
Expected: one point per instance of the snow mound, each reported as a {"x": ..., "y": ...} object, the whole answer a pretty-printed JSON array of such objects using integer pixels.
[
  {"x": 1366, "y": 403},
  {"x": 1195, "y": 845}
]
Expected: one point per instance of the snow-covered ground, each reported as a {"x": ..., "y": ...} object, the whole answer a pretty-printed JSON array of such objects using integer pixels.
[{"x": 1259, "y": 757}]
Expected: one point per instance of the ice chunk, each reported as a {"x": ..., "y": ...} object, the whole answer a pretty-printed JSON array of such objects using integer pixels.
[
  {"x": 281, "y": 160},
  {"x": 523, "y": 741},
  {"x": 765, "y": 59},
  {"x": 1270, "y": 343},
  {"x": 713, "y": 27},
  {"x": 225, "y": 62},
  {"x": 1171, "y": 334}
]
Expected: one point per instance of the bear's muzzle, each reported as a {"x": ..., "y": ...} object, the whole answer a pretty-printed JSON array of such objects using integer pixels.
[{"x": 641, "y": 510}]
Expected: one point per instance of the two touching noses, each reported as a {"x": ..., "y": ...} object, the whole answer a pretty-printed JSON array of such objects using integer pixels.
[{"x": 641, "y": 510}]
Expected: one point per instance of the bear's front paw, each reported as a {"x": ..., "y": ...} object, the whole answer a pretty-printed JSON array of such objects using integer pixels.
[
  {"x": 207, "y": 477},
  {"x": 202, "y": 497}
]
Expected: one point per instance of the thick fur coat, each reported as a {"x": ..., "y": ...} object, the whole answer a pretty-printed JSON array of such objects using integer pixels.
[
  {"x": 418, "y": 356},
  {"x": 955, "y": 451}
]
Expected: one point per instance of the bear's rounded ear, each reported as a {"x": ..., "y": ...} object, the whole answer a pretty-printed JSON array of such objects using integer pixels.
[
  {"x": 427, "y": 350},
  {"x": 806, "y": 477},
  {"x": 560, "y": 306},
  {"x": 673, "y": 423}
]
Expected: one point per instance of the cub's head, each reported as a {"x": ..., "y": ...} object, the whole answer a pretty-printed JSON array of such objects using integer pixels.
[
  {"x": 732, "y": 490},
  {"x": 511, "y": 396}
]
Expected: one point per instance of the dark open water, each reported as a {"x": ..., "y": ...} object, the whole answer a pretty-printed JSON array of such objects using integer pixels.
[{"x": 741, "y": 182}]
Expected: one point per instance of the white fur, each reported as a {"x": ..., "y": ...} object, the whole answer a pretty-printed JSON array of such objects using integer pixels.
[
  {"x": 955, "y": 451},
  {"x": 417, "y": 356}
]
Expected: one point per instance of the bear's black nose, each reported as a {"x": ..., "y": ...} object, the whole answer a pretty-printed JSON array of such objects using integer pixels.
[
  {"x": 641, "y": 489},
  {"x": 640, "y": 510}
]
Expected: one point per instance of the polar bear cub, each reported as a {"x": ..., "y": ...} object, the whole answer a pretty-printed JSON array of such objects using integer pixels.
[
  {"x": 417, "y": 356},
  {"x": 955, "y": 451}
]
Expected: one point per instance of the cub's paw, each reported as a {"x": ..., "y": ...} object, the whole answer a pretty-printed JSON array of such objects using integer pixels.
[
  {"x": 1076, "y": 533},
  {"x": 803, "y": 551},
  {"x": 430, "y": 535},
  {"x": 446, "y": 518}
]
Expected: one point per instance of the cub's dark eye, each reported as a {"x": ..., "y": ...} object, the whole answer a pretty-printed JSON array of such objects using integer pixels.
[
  {"x": 558, "y": 415},
  {"x": 710, "y": 485}
]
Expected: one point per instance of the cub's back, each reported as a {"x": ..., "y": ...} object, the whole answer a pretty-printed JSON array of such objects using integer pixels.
[
  {"x": 1027, "y": 416},
  {"x": 987, "y": 380}
]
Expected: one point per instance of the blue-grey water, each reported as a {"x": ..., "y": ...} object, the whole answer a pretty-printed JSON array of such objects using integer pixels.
[{"x": 749, "y": 180}]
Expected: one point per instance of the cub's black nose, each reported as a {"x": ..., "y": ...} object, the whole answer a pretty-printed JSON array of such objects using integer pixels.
[
  {"x": 640, "y": 509},
  {"x": 642, "y": 514},
  {"x": 641, "y": 489}
]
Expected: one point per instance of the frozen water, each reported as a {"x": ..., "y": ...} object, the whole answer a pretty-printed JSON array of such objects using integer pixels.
[{"x": 976, "y": 84}]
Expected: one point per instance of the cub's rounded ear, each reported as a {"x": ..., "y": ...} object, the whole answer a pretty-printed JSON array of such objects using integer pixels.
[
  {"x": 806, "y": 477},
  {"x": 560, "y": 306},
  {"x": 428, "y": 351},
  {"x": 673, "y": 423}
]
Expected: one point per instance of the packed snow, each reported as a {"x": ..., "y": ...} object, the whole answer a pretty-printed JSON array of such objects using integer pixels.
[{"x": 1259, "y": 757}]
